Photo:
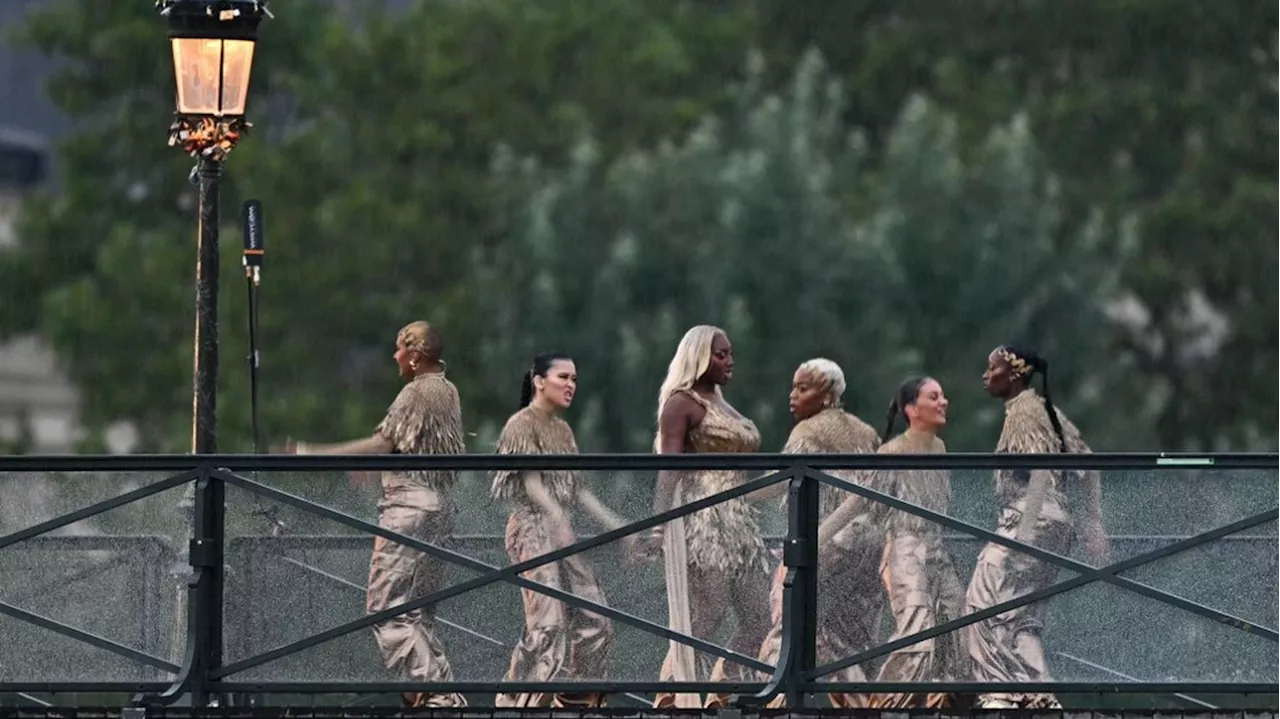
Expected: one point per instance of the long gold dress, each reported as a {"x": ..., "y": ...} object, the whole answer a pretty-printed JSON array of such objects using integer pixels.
[
  {"x": 425, "y": 418},
  {"x": 1007, "y": 647},
  {"x": 727, "y": 558},
  {"x": 560, "y": 642},
  {"x": 850, "y": 600},
  {"x": 921, "y": 579}
]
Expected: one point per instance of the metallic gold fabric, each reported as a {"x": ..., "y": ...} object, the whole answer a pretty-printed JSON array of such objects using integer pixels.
[
  {"x": 850, "y": 608},
  {"x": 1007, "y": 647},
  {"x": 833, "y": 431},
  {"x": 559, "y": 642},
  {"x": 850, "y": 600},
  {"x": 532, "y": 431},
  {"x": 728, "y": 562},
  {"x": 724, "y": 537},
  {"x": 711, "y": 596},
  {"x": 920, "y": 579},
  {"x": 425, "y": 418},
  {"x": 398, "y": 574}
]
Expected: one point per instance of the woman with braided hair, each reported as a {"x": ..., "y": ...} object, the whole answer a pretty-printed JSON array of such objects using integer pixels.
[{"x": 1007, "y": 647}]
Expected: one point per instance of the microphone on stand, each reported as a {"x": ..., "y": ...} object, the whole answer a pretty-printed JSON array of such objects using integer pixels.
[
  {"x": 254, "y": 254},
  {"x": 254, "y": 240}
]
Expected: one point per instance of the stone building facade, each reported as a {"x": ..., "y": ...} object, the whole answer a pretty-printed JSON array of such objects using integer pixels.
[{"x": 37, "y": 404}]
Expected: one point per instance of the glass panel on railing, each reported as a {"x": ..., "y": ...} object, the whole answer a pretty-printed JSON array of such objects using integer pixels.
[{"x": 119, "y": 575}]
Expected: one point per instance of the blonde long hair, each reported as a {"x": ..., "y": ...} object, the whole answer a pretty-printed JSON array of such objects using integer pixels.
[{"x": 692, "y": 358}]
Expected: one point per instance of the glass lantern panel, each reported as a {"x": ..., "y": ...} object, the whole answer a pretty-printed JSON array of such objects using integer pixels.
[
  {"x": 196, "y": 64},
  {"x": 237, "y": 63},
  {"x": 212, "y": 75}
]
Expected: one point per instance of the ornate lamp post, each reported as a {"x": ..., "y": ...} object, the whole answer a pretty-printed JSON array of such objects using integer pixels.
[{"x": 212, "y": 43}]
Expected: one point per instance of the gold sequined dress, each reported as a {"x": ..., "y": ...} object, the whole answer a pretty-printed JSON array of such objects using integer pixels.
[
  {"x": 850, "y": 600},
  {"x": 1007, "y": 647},
  {"x": 920, "y": 578},
  {"x": 560, "y": 642},
  {"x": 725, "y": 549}
]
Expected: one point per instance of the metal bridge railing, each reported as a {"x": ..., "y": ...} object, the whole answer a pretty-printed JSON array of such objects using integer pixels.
[{"x": 202, "y": 672}]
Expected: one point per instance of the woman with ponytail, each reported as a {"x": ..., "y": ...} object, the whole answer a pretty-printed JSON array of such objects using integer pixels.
[
  {"x": 560, "y": 642},
  {"x": 1007, "y": 647},
  {"x": 917, "y": 571}
]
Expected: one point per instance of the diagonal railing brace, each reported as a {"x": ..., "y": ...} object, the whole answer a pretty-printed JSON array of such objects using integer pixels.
[
  {"x": 1158, "y": 595},
  {"x": 1093, "y": 575},
  {"x": 496, "y": 574}
]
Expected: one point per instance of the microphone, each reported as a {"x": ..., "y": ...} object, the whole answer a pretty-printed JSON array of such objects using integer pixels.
[{"x": 254, "y": 240}]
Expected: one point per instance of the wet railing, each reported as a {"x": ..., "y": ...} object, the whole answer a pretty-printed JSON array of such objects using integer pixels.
[{"x": 108, "y": 587}]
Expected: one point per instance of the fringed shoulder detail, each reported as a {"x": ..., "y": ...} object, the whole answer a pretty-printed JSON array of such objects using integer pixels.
[
  {"x": 802, "y": 441},
  {"x": 426, "y": 418},
  {"x": 531, "y": 431},
  {"x": 1027, "y": 429},
  {"x": 832, "y": 431},
  {"x": 928, "y": 488}
]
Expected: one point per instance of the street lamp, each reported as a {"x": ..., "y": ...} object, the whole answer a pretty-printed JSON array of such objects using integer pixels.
[{"x": 212, "y": 43}]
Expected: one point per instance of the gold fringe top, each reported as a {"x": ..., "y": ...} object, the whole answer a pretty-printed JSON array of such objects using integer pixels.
[
  {"x": 927, "y": 488},
  {"x": 724, "y": 537},
  {"x": 425, "y": 418},
  {"x": 833, "y": 431},
  {"x": 533, "y": 431},
  {"x": 1027, "y": 430}
]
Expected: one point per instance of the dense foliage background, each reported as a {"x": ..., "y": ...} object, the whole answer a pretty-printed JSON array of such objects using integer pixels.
[{"x": 898, "y": 187}]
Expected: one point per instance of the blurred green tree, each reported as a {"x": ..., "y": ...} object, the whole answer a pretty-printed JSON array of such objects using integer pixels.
[
  {"x": 1162, "y": 114},
  {"x": 741, "y": 223},
  {"x": 371, "y": 154},
  {"x": 375, "y": 139}
]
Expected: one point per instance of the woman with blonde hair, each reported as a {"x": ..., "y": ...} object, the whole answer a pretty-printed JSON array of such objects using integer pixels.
[
  {"x": 850, "y": 600},
  {"x": 715, "y": 559}
]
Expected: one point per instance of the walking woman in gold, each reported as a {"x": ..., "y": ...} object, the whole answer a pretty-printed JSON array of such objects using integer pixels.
[
  {"x": 560, "y": 642},
  {"x": 425, "y": 418},
  {"x": 1007, "y": 647},
  {"x": 715, "y": 559},
  {"x": 850, "y": 601},
  {"x": 916, "y": 568}
]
